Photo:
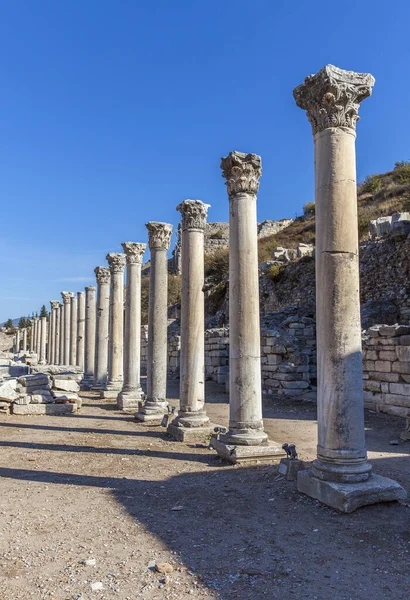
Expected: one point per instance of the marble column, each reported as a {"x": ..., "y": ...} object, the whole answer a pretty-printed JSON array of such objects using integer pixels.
[
  {"x": 43, "y": 340},
  {"x": 116, "y": 261},
  {"x": 80, "y": 330},
  {"x": 156, "y": 404},
  {"x": 103, "y": 277},
  {"x": 54, "y": 321},
  {"x": 32, "y": 336},
  {"x": 67, "y": 326},
  {"x": 17, "y": 341},
  {"x": 25, "y": 340},
  {"x": 192, "y": 422},
  {"x": 341, "y": 475},
  {"x": 61, "y": 335},
  {"x": 38, "y": 337},
  {"x": 246, "y": 438},
  {"x": 73, "y": 330},
  {"x": 131, "y": 393},
  {"x": 89, "y": 339}
]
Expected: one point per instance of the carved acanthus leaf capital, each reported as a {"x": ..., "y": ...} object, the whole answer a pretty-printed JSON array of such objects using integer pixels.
[
  {"x": 55, "y": 304},
  {"x": 242, "y": 172},
  {"x": 332, "y": 97},
  {"x": 159, "y": 235},
  {"x": 134, "y": 251},
  {"x": 90, "y": 289},
  {"x": 116, "y": 261},
  {"x": 66, "y": 296},
  {"x": 102, "y": 274},
  {"x": 194, "y": 213}
]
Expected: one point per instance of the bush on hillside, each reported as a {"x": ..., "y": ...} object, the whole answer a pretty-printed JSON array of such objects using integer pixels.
[
  {"x": 371, "y": 184},
  {"x": 309, "y": 209},
  {"x": 217, "y": 263}
]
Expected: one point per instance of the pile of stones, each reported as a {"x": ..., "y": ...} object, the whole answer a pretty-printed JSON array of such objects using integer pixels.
[{"x": 33, "y": 395}]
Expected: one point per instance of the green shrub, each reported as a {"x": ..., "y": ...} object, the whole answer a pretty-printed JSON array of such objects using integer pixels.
[
  {"x": 371, "y": 184},
  {"x": 218, "y": 235},
  {"x": 275, "y": 272},
  {"x": 309, "y": 209},
  {"x": 401, "y": 172},
  {"x": 217, "y": 263}
]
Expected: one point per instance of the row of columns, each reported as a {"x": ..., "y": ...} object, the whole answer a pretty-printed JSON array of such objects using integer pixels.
[{"x": 341, "y": 475}]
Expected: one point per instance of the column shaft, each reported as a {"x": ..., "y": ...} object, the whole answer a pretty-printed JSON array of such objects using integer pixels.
[
  {"x": 131, "y": 393},
  {"x": 80, "y": 329},
  {"x": 73, "y": 331},
  {"x": 102, "y": 327},
  {"x": 61, "y": 344},
  {"x": 43, "y": 340},
  {"x": 89, "y": 348},
  {"x": 116, "y": 338},
  {"x": 25, "y": 340}
]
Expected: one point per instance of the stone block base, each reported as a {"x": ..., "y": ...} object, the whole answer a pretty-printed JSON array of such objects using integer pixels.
[
  {"x": 290, "y": 468},
  {"x": 235, "y": 454},
  {"x": 129, "y": 405},
  {"x": 347, "y": 497},
  {"x": 44, "y": 409},
  {"x": 152, "y": 419},
  {"x": 109, "y": 394},
  {"x": 190, "y": 434}
]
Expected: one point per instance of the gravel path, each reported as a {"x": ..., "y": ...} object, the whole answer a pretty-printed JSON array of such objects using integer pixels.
[{"x": 90, "y": 503}]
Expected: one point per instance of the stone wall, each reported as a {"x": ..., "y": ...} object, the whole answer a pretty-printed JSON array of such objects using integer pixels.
[
  {"x": 386, "y": 369},
  {"x": 217, "y": 354}
]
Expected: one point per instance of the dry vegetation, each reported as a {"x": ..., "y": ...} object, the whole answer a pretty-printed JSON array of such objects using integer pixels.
[
  {"x": 174, "y": 294},
  {"x": 378, "y": 196}
]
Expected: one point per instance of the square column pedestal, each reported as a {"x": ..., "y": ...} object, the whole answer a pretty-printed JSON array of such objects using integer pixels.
[
  {"x": 270, "y": 451},
  {"x": 346, "y": 497}
]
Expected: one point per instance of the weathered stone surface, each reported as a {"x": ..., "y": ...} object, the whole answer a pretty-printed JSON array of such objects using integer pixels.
[
  {"x": 190, "y": 434},
  {"x": 23, "y": 400},
  {"x": 8, "y": 390},
  {"x": 403, "y": 353},
  {"x": 66, "y": 385},
  {"x": 347, "y": 497},
  {"x": 41, "y": 399},
  {"x": 45, "y": 409},
  {"x": 237, "y": 454},
  {"x": 35, "y": 381},
  {"x": 60, "y": 395}
]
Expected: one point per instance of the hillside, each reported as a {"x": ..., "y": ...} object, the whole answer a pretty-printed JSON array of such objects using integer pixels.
[{"x": 378, "y": 196}]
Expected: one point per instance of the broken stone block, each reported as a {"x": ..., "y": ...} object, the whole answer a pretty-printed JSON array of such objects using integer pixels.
[
  {"x": 66, "y": 385},
  {"x": 41, "y": 399},
  {"x": 44, "y": 409},
  {"x": 8, "y": 390}
]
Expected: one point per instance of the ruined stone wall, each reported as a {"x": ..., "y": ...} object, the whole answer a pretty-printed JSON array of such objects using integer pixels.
[
  {"x": 217, "y": 354},
  {"x": 386, "y": 369}
]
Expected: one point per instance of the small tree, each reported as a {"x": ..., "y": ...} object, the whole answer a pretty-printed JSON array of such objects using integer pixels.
[
  {"x": 8, "y": 324},
  {"x": 43, "y": 311},
  {"x": 22, "y": 323}
]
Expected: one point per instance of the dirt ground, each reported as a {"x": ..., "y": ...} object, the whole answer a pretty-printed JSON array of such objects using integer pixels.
[{"x": 99, "y": 486}]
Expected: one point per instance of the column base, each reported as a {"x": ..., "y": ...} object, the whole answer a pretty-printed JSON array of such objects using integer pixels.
[
  {"x": 86, "y": 383},
  {"x": 109, "y": 394},
  {"x": 152, "y": 411},
  {"x": 130, "y": 401},
  {"x": 245, "y": 437},
  {"x": 347, "y": 497},
  {"x": 190, "y": 434},
  {"x": 235, "y": 454}
]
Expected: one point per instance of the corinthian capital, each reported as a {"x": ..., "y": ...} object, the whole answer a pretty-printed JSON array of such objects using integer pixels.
[
  {"x": 332, "y": 97},
  {"x": 159, "y": 235},
  {"x": 102, "y": 275},
  {"x": 134, "y": 251},
  {"x": 194, "y": 213},
  {"x": 116, "y": 261},
  {"x": 242, "y": 172},
  {"x": 66, "y": 296},
  {"x": 54, "y": 304}
]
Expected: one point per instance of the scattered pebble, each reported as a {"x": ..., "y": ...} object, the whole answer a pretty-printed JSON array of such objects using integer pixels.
[
  {"x": 164, "y": 567},
  {"x": 97, "y": 586}
]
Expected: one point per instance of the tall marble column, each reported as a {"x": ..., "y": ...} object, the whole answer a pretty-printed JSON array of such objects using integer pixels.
[
  {"x": 89, "y": 340},
  {"x": 192, "y": 422},
  {"x": 24, "y": 340},
  {"x": 32, "y": 336},
  {"x": 53, "y": 332},
  {"x": 116, "y": 261},
  {"x": 103, "y": 277},
  {"x": 38, "y": 337},
  {"x": 61, "y": 343},
  {"x": 246, "y": 438},
  {"x": 57, "y": 334},
  {"x": 18, "y": 341},
  {"x": 341, "y": 475},
  {"x": 80, "y": 330},
  {"x": 67, "y": 325},
  {"x": 36, "y": 332},
  {"x": 43, "y": 340},
  {"x": 73, "y": 330},
  {"x": 131, "y": 393},
  {"x": 156, "y": 405}
]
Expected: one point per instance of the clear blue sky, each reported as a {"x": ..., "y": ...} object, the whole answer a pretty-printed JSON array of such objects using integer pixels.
[{"x": 113, "y": 111}]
